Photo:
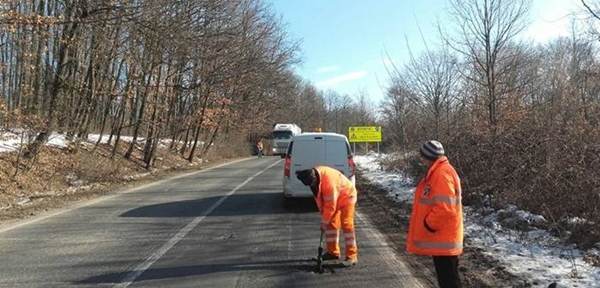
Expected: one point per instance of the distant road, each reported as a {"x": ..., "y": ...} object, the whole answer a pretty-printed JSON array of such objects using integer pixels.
[{"x": 224, "y": 227}]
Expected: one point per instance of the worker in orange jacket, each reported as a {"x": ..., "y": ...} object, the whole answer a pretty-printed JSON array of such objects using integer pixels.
[
  {"x": 336, "y": 198},
  {"x": 259, "y": 148},
  {"x": 436, "y": 222}
]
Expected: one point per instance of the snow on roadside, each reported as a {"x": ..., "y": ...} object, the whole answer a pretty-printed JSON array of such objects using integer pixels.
[
  {"x": 93, "y": 138},
  {"x": 57, "y": 140},
  {"x": 164, "y": 142},
  {"x": 10, "y": 141},
  {"x": 534, "y": 255},
  {"x": 399, "y": 187}
]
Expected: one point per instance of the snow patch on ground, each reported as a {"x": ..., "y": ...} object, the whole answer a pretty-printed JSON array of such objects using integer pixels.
[
  {"x": 93, "y": 138},
  {"x": 57, "y": 140},
  {"x": 10, "y": 141},
  {"x": 533, "y": 254},
  {"x": 399, "y": 187},
  {"x": 163, "y": 143}
]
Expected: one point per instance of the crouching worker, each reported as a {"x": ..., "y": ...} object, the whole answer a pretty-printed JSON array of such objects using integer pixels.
[{"x": 336, "y": 198}]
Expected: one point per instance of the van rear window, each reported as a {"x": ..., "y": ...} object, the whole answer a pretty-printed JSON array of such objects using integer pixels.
[
  {"x": 308, "y": 151},
  {"x": 336, "y": 152}
]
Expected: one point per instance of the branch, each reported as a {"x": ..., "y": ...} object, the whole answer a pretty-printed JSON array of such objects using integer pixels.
[{"x": 590, "y": 10}]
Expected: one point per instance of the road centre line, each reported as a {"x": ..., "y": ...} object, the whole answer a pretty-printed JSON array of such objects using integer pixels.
[
  {"x": 8, "y": 227},
  {"x": 140, "y": 269}
]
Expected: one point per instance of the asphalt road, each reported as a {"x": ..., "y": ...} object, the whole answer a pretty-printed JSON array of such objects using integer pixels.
[{"x": 223, "y": 227}]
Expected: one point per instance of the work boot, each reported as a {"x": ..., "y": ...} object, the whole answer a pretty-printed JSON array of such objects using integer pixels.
[
  {"x": 328, "y": 256},
  {"x": 351, "y": 261}
]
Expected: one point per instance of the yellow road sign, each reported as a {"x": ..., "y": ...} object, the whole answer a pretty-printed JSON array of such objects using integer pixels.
[{"x": 364, "y": 134}]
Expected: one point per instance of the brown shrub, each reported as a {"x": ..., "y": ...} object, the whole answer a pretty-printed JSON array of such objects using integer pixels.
[{"x": 549, "y": 167}]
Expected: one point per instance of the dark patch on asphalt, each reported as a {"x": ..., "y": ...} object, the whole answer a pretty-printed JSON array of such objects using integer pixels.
[{"x": 198, "y": 207}]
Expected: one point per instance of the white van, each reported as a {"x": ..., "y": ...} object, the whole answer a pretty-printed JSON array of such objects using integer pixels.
[
  {"x": 313, "y": 149},
  {"x": 282, "y": 136}
]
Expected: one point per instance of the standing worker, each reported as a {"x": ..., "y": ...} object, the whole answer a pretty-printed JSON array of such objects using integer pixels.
[
  {"x": 436, "y": 222},
  {"x": 336, "y": 198},
  {"x": 259, "y": 148}
]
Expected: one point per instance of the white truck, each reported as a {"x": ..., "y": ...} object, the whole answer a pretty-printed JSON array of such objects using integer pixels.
[{"x": 282, "y": 136}]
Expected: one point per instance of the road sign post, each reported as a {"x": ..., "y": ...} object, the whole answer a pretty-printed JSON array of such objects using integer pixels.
[{"x": 365, "y": 134}]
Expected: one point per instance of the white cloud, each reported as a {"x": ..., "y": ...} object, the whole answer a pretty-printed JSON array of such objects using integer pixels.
[
  {"x": 333, "y": 81},
  {"x": 327, "y": 69}
]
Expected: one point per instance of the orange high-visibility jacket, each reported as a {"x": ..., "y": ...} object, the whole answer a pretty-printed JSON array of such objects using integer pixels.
[
  {"x": 335, "y": 192},
  {"x": 436, "y": 222}
]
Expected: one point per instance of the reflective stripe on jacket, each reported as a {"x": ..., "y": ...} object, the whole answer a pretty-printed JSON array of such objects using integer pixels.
[
  {"x": 335, "y": 192},
  {"x": 436, "y": 222}
]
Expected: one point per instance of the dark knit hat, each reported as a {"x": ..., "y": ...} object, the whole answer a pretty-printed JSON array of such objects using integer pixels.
[
  {"x": 432, "y": 149},
  {"x": 307, "y": 177}
]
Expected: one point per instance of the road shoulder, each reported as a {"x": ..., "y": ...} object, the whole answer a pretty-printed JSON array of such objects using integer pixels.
[{"x": 391, "y": 219}]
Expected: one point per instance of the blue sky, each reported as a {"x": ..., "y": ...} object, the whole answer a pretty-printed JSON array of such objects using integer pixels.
[{"x": 344, "y": 42}]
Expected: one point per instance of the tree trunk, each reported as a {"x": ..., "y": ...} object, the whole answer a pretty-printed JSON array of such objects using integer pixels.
[{"x": 42, "y": 137}]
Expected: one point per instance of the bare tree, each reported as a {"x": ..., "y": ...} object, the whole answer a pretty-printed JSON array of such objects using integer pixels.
[
  {"x": 433, "y": 78},
  {"x": 486, "y": 29},
  {"x": 137, "y": 72},
  {"x": 396, "y": 108}
]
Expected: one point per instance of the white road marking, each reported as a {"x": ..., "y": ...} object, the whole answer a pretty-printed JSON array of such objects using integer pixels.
[
  {"x": 103, "y": 198},
  {"x": 387, "y": 254},
  {"x": 140, "y": 269}
]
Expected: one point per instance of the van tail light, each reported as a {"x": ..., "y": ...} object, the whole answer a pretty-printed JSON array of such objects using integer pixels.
[
  {"x": 286, "y": 166},
  {"x": 352, "y": 165}
]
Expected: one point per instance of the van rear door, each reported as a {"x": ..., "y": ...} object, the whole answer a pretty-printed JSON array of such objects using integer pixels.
[
  {"x": 307, "y": 153},
  {"x": 336, "y": 154}
]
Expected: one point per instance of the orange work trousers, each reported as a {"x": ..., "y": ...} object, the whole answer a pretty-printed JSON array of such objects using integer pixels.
[{"x": 344, "y": 219}]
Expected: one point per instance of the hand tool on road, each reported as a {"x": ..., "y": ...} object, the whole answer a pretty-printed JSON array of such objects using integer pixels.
[{"x": 320, "y": 255}]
